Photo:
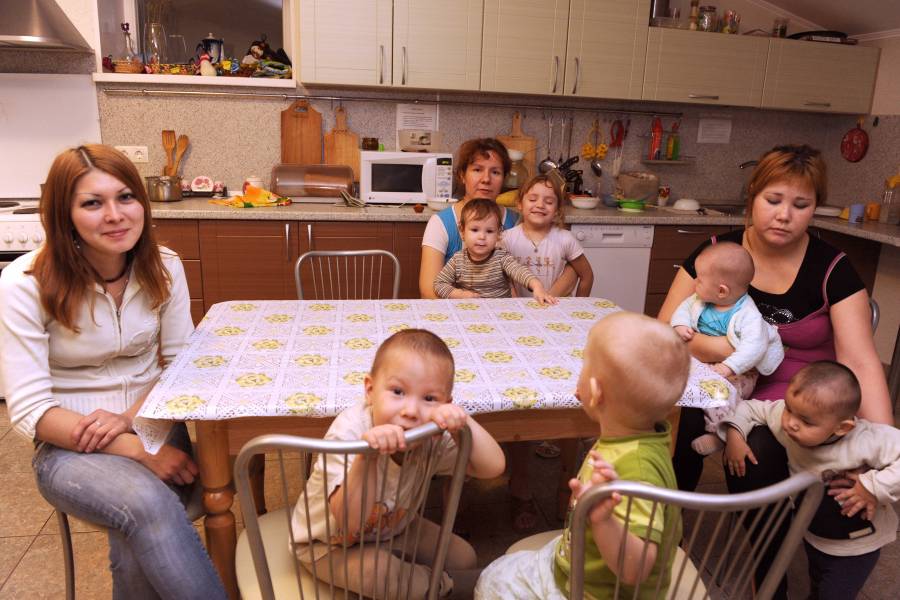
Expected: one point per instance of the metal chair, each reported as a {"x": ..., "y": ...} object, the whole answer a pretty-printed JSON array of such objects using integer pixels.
[
  {"x": 876, "y": 313},
  {"x": 266, "y": 558},
  {"x": 346, "y": 275},
  {"x": 194, "y": 511},
  {"x": 725, "y": 556}
]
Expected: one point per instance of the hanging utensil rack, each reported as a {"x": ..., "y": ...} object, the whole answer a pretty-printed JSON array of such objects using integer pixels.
[{"x": 436, "y": 100}]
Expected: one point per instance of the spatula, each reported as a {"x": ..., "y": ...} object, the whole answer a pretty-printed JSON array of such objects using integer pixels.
[
  {"x": 180, "y": 148},
  {"x": 168, "y": 142}
]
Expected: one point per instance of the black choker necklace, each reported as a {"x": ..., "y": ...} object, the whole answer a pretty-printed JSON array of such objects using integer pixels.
[{"x": 120, "y": 275}]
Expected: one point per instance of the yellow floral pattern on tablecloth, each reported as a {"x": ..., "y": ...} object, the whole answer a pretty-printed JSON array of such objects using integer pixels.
[
  {"x": 497, "y": 356},
  {"x": 464, "y": 376},
  {"x": 267, "y": 345},
  {"x": 253, "y": 379},
  {"x": 555, "y": 373},
  {"x": 583, "y": 314},
  {"x": 398, "y": 327},
  {"x": 521, "y": 396},
  {"x": 605, "y": 304},
  {"x": 207, "y": 362},
  {"x": 321, "y": 307},
  {"x": 451, "y": 342},
  {"x": 359, "y": 343},
  {"x": 511, "y": 316},
  {"x": 396, "y": 306},
  {"x": 229, "y": 330},
  {"x": 243, "y": 307},
  {"x": 355, "y": 377},
  {"x": 467, "y": 306},
  {"x": 302, "y": 403},
  {"x": 359, "y": 318},
  {"x": 435, "y": 317},
  {"x": 279, "y": 318},
  {"x": 479, "y": 328},
  {"x": 577, "y": 353},
  {"x": 715, "y": 388},
  {"x": 529, "y": 340},
  {"x": 311, "y": 360},
  {"x": 536, "y": 304},
  {"x": 317, "y": 330},
  {"x": 183, "y": 405},
  {"x": 559, "y": 327}
]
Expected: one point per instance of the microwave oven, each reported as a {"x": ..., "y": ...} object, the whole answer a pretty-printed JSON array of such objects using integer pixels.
[{"x": 404, "y": 177}]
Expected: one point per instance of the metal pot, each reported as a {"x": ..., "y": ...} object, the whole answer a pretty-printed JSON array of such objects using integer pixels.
[{"x": 164, "y": 188}]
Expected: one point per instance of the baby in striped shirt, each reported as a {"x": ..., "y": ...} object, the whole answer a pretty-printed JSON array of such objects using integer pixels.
[{"x": 481, "y": 269}]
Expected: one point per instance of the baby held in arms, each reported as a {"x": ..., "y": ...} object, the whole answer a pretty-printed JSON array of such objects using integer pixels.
[
  {"x": 481, "y": 269},
  {"x": 720, "y": 306}
]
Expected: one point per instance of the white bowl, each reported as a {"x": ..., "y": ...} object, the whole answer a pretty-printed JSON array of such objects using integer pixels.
[
  {"x": 686, "y": 204},
  {"x": 438, "y": 204},
  {"x": 584, "y": 202}
]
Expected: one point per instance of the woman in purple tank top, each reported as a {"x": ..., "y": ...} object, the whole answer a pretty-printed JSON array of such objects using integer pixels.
[{"x": 803, "y": 286}]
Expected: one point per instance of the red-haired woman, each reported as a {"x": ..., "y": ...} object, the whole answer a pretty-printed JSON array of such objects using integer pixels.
[{"x": 85, "y": 322}]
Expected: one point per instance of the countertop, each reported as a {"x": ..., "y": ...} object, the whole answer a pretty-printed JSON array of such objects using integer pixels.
[{"x": 200, "y": 208}]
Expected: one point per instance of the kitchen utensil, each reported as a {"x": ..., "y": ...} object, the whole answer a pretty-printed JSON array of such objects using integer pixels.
[
  {"x": 600, "y": 149},
  {"x": 855, "y": 143},
  {"x": 301, "y": 134},
  {"x": 168, "y": 143},
  {"x": 342, "y": 145},
  {"x": 584, "y": 202},
  {"x": 567, "y": 164},
  {"x": 213, "y": 46},
  {"x": 181, "y": 147},
  {"x": 631, "y": 205},
  {"x": 163, "y": 189},
  {"x": 569, "y": 138},
  {"x": 311, "y": 181},
  {"x": 617, "y": 138},
  {"x": 656, "y": 134},
  {"x": 517, "y": 140},
  {"x": 548, "y": 164}
]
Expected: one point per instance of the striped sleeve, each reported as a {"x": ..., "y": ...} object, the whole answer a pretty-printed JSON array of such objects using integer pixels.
[
  {"x": 445, "y": 282},
  {"x": 516, "y": 271}
]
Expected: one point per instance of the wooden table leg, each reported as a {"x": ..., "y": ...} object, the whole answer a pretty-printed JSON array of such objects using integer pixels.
[{"x": 218, "y": 496}]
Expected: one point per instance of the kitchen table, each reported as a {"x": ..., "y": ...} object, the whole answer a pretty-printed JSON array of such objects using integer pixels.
[{"x": 290, "y": 366}]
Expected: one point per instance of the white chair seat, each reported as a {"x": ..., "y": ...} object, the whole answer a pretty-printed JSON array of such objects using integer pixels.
[{"x": 683, "y": 592}]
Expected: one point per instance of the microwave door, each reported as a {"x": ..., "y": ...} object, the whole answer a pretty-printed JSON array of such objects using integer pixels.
[
  {"x": 429, "y": 178},
  {"x": 397, "y": 178}
]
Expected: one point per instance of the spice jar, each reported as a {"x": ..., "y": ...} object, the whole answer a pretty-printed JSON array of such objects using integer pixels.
[
  {"x": 708, "y": 19},
  {"x": 694, "y": 17},
  {"x": 370, "y": 143},
  {"x": 518, "y": 173}
]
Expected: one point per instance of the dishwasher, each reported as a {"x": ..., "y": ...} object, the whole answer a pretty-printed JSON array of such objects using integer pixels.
[{"x": 620, "y": 258}]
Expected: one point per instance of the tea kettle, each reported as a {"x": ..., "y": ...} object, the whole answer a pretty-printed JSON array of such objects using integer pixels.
[{"x": 213, "y": 46}]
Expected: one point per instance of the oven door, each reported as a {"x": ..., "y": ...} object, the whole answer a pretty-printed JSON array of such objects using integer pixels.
[{"x": 6, "y": 258}]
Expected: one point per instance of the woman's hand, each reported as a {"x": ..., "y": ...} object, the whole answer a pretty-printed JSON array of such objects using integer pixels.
[
  {"x": 96, "y": 430},
  {"x": 171, "y": 464},
  {"x": 852, "y": 496},
  {"x": 736, "y": 451}
]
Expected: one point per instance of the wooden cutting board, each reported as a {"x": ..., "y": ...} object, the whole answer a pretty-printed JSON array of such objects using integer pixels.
[
  {"x": 516, "y": 140},
  {"x": 342, "y": 145},
  {"x": 301, "y": 134}
]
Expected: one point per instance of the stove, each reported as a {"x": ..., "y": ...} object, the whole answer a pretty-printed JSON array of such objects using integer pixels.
[{"x": 20, "y": 229}]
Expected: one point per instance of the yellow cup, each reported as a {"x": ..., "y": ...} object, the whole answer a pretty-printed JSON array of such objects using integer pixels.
[{"x": 873, "y": 211}]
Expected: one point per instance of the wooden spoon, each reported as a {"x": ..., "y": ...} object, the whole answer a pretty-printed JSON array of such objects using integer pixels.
[
  {"x": 180, "y": 149},
  {"x": 168, "y": 142}
]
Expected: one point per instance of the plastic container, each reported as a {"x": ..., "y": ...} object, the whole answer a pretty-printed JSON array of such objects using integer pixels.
[
  {"x": 518, "y": 172},
  {"x": 890, "y": 205}
]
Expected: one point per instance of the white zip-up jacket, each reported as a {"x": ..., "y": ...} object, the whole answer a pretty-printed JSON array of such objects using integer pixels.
[
  {"x": 111, "y": 364},
  {"x": 756, "y": 343}
]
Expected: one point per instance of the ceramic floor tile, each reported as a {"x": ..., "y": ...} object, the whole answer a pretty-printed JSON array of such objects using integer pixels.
[
  {"x": 15, "y": 453},
  {"x": 12, "y": 549},
  {"x": 4, "y": 414},
  {"x": 39, "y": 574},
  {"x": 24, "y": 512}
]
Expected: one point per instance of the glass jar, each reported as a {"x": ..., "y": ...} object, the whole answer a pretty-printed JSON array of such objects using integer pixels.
[
  {"x": 708, "y": 19},
  {"x": 518, "y": 172},
  {"x": 890, "y": 206}
]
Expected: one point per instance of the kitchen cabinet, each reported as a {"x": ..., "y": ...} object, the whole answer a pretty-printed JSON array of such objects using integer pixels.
[
  {"x": 818, "y": 76},
  {"x": 400, "y": 43},
  {"x": 592, "y": 48},
  {"x": 248, "y": 260},
  {"x": 704, "y": 68},
  {"x": 671, "y": 245},
  {"x": 182, "y": 236},
  {"x": 408, "y": 249}
]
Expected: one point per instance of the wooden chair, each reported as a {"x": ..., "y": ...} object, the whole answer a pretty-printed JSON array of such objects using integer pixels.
[
  {"x": 725, "y": 556},
  {"x": 347, "y": 275},
  {"x": 266, "y": 559}
]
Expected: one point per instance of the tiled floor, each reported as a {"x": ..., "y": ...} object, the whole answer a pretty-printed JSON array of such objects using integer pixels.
[{"x": 31, "y": 558}]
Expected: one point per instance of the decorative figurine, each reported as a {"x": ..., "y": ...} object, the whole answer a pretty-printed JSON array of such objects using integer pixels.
[{"x": 206, "y": 67}]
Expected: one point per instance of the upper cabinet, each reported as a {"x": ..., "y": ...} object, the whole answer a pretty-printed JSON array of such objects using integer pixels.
[
  {"x": 399, "y": 43},
  {"x": 592, "y": 48},
  {"x": 607, "y": 47},
  {"x": 820, "y": 77},
  {"x": 704, "y": 68}
]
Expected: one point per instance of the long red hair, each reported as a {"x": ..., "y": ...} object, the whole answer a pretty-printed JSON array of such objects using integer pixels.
[{"x": 65, "y": 277}]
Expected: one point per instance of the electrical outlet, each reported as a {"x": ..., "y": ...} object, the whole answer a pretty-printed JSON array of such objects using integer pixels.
[{"x": 137, "y": 154}]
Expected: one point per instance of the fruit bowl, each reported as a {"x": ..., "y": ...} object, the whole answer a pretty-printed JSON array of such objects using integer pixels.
[{"x": 584, "y": 202}]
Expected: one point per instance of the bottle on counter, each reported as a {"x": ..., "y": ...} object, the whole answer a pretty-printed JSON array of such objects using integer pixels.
[
  {"x": 694, "y": 18},
  {"x": 673, "y": 143},
  {"x": 890, "y": 202}
]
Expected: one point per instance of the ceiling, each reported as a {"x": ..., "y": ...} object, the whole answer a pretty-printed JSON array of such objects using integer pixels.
[{"x": 856, "y": 17}]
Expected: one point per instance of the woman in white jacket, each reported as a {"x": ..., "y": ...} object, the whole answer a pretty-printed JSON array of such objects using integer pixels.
[{"x": 86, "y": 323}]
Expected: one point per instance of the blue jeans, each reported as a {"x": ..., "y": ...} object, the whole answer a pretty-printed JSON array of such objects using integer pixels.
[{"x": 154, "y": 550}]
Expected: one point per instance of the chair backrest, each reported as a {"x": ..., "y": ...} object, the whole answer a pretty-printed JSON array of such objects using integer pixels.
[
  {"x": 347, "y": 275},
  {"x": 412, "y": 470},
  {"x": 715, "y": 536},
  {"x": 876, "y": 313}
]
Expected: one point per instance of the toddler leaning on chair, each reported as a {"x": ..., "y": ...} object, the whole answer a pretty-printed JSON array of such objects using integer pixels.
[{"x": 410, "y": 384}]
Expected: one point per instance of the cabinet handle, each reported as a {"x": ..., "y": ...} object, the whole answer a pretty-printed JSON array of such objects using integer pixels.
[
  {"x": 555, "y": 73},
  {"x": 577, "y": 73},
  {"x": 823, "y": 104},
  {"x": 381, "y": 65},
  {"x": 309, "y": 236},
  {"x": 689, "y": 232},
  {"x": 702, "y": 97},
  {"x": 287, "y": 242},
  {"x": 403, "y": 69}
]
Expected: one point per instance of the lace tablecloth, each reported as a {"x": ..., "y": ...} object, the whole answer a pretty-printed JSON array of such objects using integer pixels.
[{"x": 308, "y": 358}]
